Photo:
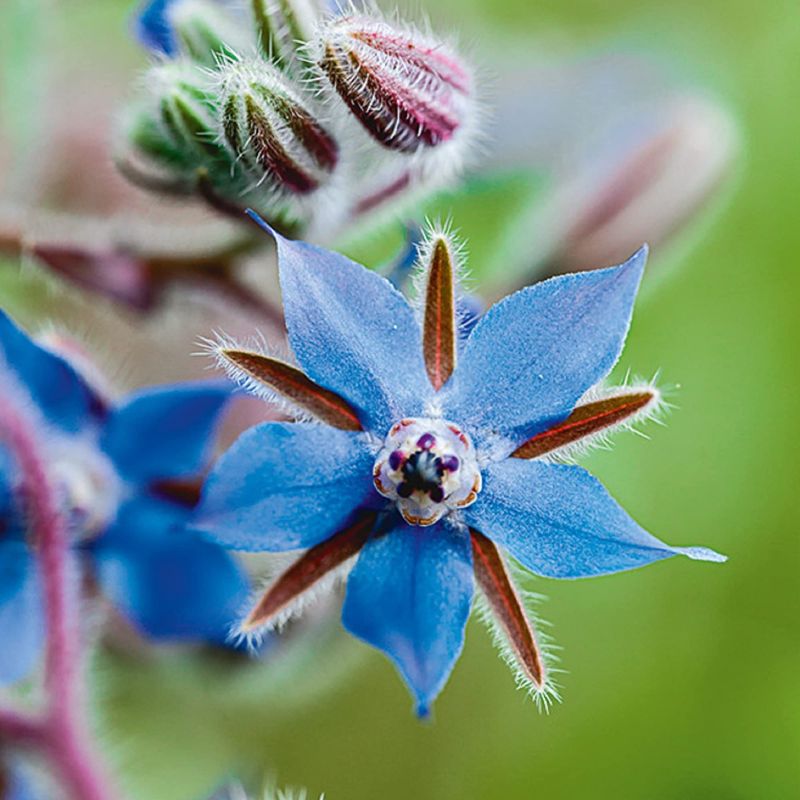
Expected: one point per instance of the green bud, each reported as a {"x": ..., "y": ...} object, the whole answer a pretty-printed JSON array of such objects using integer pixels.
[
  {"x": 148, "y": 157},
  {"x": 206, "y": 33},
  {"x": 186, "y": 109},
  {"x": 282, "y": 27},
  {"x": 146, "y": 136},
  {"x": 171, "y": 141}
]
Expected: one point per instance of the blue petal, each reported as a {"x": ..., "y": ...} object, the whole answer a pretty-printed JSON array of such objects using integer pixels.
[
  {"x": 470, "y": 309},
  {"x": 142, "y": 521},
  {"x": 353, "y": 333},
  {"x": 560, "y": 522},
  {"x": 18, "y": 784},
  {"x": 10, "y": 513},
  {"x": 410, "y": 596},
  {"x": 284, "y": 486},
  {"x": 171, "y": 583},
  {"x": 166, "y": 431},
  {"x": 153, "y": 29},
  {"x": 532, "y": 355},
  {"x": 21, "y": 617},
  {"x": 62, "y": 396}
]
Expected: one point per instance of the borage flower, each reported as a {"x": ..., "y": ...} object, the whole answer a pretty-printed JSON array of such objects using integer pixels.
[
  {"x": 435, "y": 453},
  {"x": 127, "y": 475}
]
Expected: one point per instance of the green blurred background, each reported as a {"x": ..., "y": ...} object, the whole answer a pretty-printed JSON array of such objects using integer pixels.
[{"x": 681, "y": 679}]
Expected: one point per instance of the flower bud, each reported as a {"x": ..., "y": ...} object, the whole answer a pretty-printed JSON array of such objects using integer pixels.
[
  {"x": 204, "y": 32},
  {"x": 407, "y": 90},
  {"x": 282, "y": 26},
  {"x": 146, "y": 137},
  {"x": 272, "y": 132},
  {"x": 170, "y": 138},
  {"x": 186, "y": 111},
  {"x": 655, "y": 184}
]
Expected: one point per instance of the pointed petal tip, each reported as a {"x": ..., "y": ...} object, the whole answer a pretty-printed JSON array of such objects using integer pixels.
[
  {"x": 638, "y": 260},
  {"x": 262, "y": 223},
  {"x": 423, "y": 710},
  {"x": 702, "y": 554}
]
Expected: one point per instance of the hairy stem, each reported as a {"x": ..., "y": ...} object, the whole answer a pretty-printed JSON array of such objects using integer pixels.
[
  {"x": 62, "y": 734},
  {"x": 79, "y": 264}
]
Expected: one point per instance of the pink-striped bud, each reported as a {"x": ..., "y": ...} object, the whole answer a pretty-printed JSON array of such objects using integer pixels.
[{"x": 407, "y": 90}]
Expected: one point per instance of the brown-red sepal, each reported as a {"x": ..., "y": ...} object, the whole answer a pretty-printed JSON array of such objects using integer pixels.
[
  {"x": 586, "y": 420},
  {"x": 440, "y": 327},
  {"x": 494, "y": 580},
  {"x": 308, "y": 570},
  {"x": 292, "y": 384}
]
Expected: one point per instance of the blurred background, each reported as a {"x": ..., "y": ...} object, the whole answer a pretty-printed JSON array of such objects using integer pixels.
[{"x": 681, "y": 680}]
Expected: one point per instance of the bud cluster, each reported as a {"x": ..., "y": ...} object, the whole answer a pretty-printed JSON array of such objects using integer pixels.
[{"x": 313, "y": 118}]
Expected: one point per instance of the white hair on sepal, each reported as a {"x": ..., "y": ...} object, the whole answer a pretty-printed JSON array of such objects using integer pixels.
[
  {"x": 655, "y": 411},
  {"x": 268, "y": 792},
  {"x": 433, "y": 231},
  {"x": 549, "y": 692},
  {"x": 315, "y": 593},
  {"x": 215, "y": 347}
]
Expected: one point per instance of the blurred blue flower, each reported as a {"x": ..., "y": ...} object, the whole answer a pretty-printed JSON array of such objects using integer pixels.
[
  {"x": 15, "y": 782},
  {"x": 129, "y": 475},
  {"x": 421, "y": 467},
  {"x": 153, "y": 28}
]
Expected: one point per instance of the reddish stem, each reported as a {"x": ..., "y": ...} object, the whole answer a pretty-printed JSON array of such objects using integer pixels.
[{"x": 62, "y": 734}]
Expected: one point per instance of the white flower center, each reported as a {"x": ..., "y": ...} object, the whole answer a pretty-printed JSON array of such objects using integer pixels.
[
  {"x": 89, "y": 485},
  {"x": 428, "y": 467}
]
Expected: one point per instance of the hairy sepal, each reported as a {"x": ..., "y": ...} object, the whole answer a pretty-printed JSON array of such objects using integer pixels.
[
  {"x": 439, "y": 320},
  {"x": 315, "y": 571},
  {"x": 600, "y": 413},
  {"x": 293, "y": 384},
  {"x": 538, "y": 683}
]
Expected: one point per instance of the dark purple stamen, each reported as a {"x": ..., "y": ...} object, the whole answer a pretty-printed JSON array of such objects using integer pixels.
[
  {"x": 405, "y": 489},
  {"x": 426, "y": 441},
  {"x": 396, "y": 459},
  {"x": 450, "y": 463},
  {"x": 436, "y": 494}
]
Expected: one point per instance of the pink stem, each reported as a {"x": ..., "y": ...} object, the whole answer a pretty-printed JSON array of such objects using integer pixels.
[{"x": 62, "y": 734}]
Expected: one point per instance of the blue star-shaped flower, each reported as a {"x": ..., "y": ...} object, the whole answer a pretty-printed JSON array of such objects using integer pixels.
[
  {"x": 437, "y": 449},
  {"x": 127, "y": 474}
]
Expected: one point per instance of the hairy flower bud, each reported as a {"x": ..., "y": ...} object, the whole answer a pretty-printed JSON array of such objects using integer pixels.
[
  {"x": 145, "y": 136},
  {"x": 282, "y": 26},
  {"x": 272, "y": 132},
  {"x": 204, "y": 32},
  {"x": 186, "y": 110},
  {"x": 170, "y": 138},
  {"x": 656, "y": 183},
  {"x": 407, "y": 90}
]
